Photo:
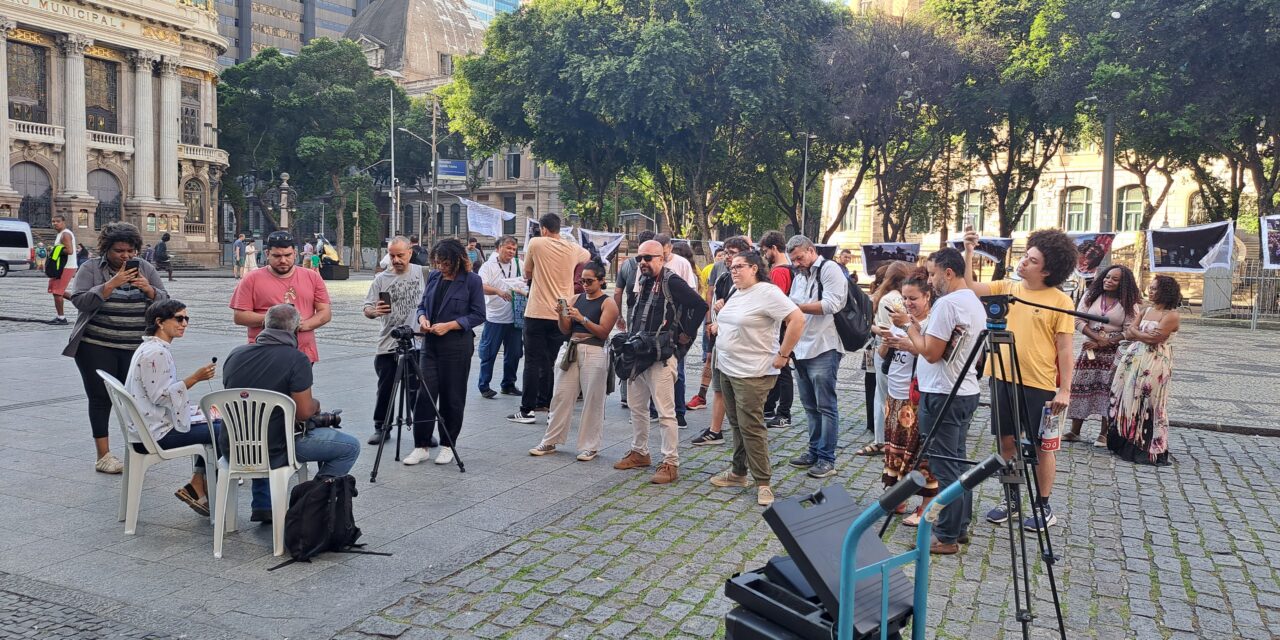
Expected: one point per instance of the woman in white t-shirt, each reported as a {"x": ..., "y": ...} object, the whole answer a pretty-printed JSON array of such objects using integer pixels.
[
  {"x": 886, "y": 299},
  {"x": 901, "y": 429},
  {"x": 748, "y": 358}
]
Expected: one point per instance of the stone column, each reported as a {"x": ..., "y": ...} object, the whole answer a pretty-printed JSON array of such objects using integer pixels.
[
  {"x": 75, "y": 163},
  {"x": 144, "y": 135},
  {"x": 6, "y": 25},
  {"x": 169, "y": 97}
]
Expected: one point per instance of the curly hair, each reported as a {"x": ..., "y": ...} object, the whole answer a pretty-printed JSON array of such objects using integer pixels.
[
  {"x": 1059, "y": 252},
  {"x": 1127, "y": 293},
  {"x": 114, "y": 232},
  {"x": 452, "y": 253},
  {"x": 753, "y": 257},
  {"x": 1168, "y": 293},
  {"x": 159, "y": 312}
]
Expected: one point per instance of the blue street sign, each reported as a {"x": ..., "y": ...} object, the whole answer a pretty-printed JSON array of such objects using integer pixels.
[{"x": 451, "y": 169}]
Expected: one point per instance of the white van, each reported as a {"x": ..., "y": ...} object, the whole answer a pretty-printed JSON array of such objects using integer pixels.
[{"x": 17, "y": 250}]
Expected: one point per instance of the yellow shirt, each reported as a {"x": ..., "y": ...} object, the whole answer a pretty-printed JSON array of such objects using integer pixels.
[
  {"x": 705, "y": 274},
  {"x": 1035, "y": 330}
]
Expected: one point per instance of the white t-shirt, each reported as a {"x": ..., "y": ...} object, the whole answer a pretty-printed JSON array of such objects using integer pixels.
[
  {"x": 72, "y": 261},
  {"x": 958, "y": 318},
  {"x": 679, "y": 266},
  {"x": 900, "y": 367},
  {"x": 748, "y": 339},
  {"x": 499, "y": 276}
]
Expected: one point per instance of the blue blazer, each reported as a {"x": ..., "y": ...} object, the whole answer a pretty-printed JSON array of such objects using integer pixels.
[{"x": 463, "y": 301}]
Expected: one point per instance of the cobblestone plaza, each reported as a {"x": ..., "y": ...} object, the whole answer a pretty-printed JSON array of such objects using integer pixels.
[{"x": 525, "y": 547}]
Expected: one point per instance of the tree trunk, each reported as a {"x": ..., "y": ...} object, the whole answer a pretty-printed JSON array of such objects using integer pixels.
[
  {"x": 340, "y": 212},
  {"x": 850, "y": 192}
]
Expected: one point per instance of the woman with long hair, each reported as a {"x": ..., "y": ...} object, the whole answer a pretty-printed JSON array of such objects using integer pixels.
[
  {"x": 162, "y": 397},
  {"x": 452, "y": 307},
  {"x": 1114, "y": 294},
  {"x": 748, "y": 358},
  {"x": 1140, "y": 390},
  {"x": 582, "y": 365},
  {"x": 885, "y": 299},
  {"x": 901, "y": 429},
  {"x": 112, "y": 295}
]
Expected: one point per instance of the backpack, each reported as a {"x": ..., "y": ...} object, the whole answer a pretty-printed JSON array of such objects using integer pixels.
[
  {"x": 56, "y": 261},
  {"x": 161, "y": 252},
  {"x": 319, "y": 519},
  {"x": 853, "y": 322}
]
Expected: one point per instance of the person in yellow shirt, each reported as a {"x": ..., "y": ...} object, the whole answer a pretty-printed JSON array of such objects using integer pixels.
[{"x": 1044, "y": 355}]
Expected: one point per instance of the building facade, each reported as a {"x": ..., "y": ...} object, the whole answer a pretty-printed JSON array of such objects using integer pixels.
[
  {"x": 253, "y": 25},
  {"x": 487, "y": 10},
  {"x": 112, "y": 115}
]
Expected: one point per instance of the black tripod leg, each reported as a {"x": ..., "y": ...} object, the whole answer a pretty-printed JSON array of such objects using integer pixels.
[
  {"x": 1018, "y": 564},
  {"x": 388, "y": 416},
  {"x": 446, "y": 439}
]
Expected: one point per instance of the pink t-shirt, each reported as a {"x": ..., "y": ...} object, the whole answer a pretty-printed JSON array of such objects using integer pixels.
[{"x": 261, "y": 289}]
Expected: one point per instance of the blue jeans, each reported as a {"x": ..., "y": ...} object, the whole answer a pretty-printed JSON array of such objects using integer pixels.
[
  {"x": 953, "y": 428},
  {"x": 198, "y": 434},
  {"x": 335, "y": 451},
  {"x": 816, "y": 380},
  {"x": 510, "y": 339}
]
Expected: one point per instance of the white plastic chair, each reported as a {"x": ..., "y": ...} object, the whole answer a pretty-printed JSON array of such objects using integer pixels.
[
  {"x": 245, "y": 415},
  {"x": 136, "y": 464}
]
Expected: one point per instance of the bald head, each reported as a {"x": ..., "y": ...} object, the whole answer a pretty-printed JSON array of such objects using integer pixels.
[
  {"x": 651, "y": 257},
  {"x": 401, "y": 252}
]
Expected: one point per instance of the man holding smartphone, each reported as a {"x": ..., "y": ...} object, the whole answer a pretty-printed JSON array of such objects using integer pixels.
[{"x": 393, "y": 298}]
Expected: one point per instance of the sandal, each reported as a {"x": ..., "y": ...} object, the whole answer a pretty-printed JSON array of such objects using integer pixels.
[
  {"x": 1071, "y": 436},
  {"x": 187, "y": 494},
  {"x": 901, "y": 509},
  {"x": 912, "y": 520},
  {"x": 871, "y": 450}
]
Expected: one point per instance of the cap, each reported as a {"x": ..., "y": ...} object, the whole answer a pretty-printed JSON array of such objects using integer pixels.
[{"x": 280, "y": 239}]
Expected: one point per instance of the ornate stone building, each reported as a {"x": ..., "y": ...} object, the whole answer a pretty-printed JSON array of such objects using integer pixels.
[{"x": 112, "y": 115}]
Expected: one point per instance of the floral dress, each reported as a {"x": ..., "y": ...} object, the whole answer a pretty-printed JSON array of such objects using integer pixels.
[{"x": 1139, "y": 392}]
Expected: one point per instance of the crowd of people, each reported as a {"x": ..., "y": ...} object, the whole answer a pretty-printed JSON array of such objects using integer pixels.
[{"x": 765, "y": 314}]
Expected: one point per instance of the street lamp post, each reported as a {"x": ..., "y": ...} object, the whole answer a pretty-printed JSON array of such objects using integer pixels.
[{"x": 391, "y": 107}]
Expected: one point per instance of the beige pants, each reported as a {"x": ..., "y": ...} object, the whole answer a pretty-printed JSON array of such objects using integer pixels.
[
  {"x": 658, "y": 383},
  {"x": 589, "y": 373}
]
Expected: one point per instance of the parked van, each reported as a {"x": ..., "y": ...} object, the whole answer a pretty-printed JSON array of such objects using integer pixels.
[{"x": 17, "y": 250}]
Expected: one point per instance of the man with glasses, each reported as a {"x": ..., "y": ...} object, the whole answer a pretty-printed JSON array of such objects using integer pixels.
[
  {"x": 283, "y": 283},
  {"x": 624, "y": 288}
]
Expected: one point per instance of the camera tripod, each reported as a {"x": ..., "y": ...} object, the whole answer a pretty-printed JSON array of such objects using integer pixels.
[
  {"x": 400, "y": 404},
  {"x": 1019, "y": 469}
]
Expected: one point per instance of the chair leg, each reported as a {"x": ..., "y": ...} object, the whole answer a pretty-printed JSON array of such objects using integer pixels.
[
  {"x": 137, "y": 471},
  {"x": 210, "y": 477},
  {"x": 124, "y": 482},
  {"x": 279, "y": 506},
  {"x": 233, "y": 501},
  {"x": 220, "y": 513}
]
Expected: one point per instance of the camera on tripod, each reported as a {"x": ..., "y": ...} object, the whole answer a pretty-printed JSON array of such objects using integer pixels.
[
  {"x": 403, "y": 332},
  {"x": 997, "y": 309}
]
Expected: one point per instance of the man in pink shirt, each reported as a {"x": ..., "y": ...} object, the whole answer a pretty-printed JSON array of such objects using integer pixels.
[{"x": 283, "y": 283}]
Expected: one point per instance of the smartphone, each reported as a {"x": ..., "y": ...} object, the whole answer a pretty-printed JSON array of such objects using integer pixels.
[
  {"x": 131, "y": 264},
  {"x": 564, "y": 305},
  {"x": 385, "y": 297},
  {"x": 970, "y": 222}
]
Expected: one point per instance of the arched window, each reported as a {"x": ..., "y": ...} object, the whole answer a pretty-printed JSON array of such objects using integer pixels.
[
  {"x": 193, "y": 197},
  {"x": 30, "y": 180},
  {"x": 969, "y": 205},
  {"x": 455, "y": 218},
  {"x": 1128, "y": 215},
  {"x": 104, "y": 186},
  {"x": 1077, "y": 209}
]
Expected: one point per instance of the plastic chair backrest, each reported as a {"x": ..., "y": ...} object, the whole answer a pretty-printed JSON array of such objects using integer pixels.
[
  {"x": 127, "y": 413},
  {"x": 246, "y": 414}
]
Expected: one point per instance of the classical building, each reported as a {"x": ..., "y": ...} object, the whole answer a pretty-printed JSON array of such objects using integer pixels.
[
  {"x": 112, "y": 114},
  {"x": 253, "y": 25},
  {"x": 487, "y": 10},
  {"x": 415, "y": 42}
]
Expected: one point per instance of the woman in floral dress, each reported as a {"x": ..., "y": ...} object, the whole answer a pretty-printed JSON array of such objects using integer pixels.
[
  {"x": 1115, "y": 295},
  {"x": 901, "y": 429},
  {"x": 1139, "y": 429}
]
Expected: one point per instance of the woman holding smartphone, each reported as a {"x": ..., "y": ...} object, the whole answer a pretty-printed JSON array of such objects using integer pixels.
[{"x": 111, "y": 294}]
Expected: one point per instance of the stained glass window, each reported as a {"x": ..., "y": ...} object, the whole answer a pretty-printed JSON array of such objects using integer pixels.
[
  {"x": 102, "y": 95},
  {"x": 28, "y": 82},
  {"x": 190, "y": 111}
]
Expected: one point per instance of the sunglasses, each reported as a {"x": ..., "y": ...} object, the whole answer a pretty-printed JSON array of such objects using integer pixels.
[
  {"x": 182, "y": 319},
  {"x": 589, "y": 280},
  {"x": 645, "y": 257}
]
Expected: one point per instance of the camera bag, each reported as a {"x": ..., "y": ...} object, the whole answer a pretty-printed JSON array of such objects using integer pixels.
[{"x": 320, "y": 519}]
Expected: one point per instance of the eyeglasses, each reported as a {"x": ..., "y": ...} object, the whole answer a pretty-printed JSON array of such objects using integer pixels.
[
  {"x": 182, "y": 319},
  {"x": 645, "y": 257},
  {"x": 737, "y": 267},
  {"x": 589, "y": 280}
]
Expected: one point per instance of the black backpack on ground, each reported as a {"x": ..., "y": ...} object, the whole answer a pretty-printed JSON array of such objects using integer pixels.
[
  {"x": 853, "y": 322},
  {"x": 320, "y": 519}
]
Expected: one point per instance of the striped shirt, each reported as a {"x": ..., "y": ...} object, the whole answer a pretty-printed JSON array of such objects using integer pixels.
[{"x": 120, "y": 321}]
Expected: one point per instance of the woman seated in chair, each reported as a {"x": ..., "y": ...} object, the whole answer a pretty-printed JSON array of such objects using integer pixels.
[{"x": 162, "y": 397}]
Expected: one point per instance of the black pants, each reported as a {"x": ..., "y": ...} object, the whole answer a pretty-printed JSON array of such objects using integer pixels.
[
  {"x": 782, "y": 394},
  {"x": 385, "y": 365},
  {"x": 446, "y": 365},
  {"x": 90, "y": 358},
  {"x": 542, "y": 340}
]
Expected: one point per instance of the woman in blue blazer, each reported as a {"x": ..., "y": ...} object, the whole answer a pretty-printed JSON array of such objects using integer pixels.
[{"x": 452, "y": 307}]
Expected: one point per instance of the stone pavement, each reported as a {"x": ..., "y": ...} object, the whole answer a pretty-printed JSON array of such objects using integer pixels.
[{"x": 529, "y": 547}]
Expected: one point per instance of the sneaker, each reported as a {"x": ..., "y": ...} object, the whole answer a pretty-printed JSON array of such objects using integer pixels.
[
  {"x": 804, "y": 460},
  {"x": 624, "y": 405},
  {"x": 379, "y": 435},
  {"x": 511, "y": 391},
  {"x": 999, "y": 514},
  {"x": 542, "y": 450},
  {"x": 58, "y": 321},
  {"x": 822, "y": 469},
  {"x": 696, "y": 402},
  {"x": 586, "y": 455},
  {"x": 707, "y": 437},
  {"x": 944, "y": 548},
  {"x": 1033, "y": 523},
  {"x": 542, "y": 409},
  {"x": 417, "y": 456},
  {"x": 488, "y": 394},
  {"x": 666, "y": 474},
  {"x": 260, "y": 515},
  {"x": 768, "y": 415},
  {"x": 764, "y": 495},
  {"x": 727, "y": 478},
  {"x": 445, "y": 456},
  {"x": 680, "y": 421},
  {"x": 633, "y": 460},
  {"x": 108, "y": 464},
  {"x": 523, "y": 417},
  {"x": 778, "y": 422}
]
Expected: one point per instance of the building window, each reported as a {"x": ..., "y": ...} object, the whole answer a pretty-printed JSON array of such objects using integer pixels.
[
  {"x": 1028, "y": 220},
  {"x": 509, "y": 205},
  {"x": 488, "y": 169},
  {"x": 455, "y": 219},
  {"x": 446, "y": 64},
  {"x": 513, "y": 166},
  {"x": 102, "y": 95},
  {"x": 1197, "y": 210},
  {"x": 28, "y": 82},
  {"x": 439, "y": 219},
  {"x": 31, "y": 181},
  {"x": 104, "y": 186},
  {"x": 969, "y": 210},
  {"x": 850, "y": 220},
  {"x": 190, "y": 105},
  {"x": 1076, "y": 209},
  {"x": 193, "y": 198},
  {"x": 1128, "y": 208}
]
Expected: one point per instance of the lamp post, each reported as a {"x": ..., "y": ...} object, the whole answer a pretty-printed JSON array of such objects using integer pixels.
[{"x": 391, "y": 134}]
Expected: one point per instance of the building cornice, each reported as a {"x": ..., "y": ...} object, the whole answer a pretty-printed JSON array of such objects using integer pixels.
[{"x": 118, "y": 22}]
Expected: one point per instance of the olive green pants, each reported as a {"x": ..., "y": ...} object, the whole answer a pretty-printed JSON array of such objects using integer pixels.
[{"x": 744, "y": 406}]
